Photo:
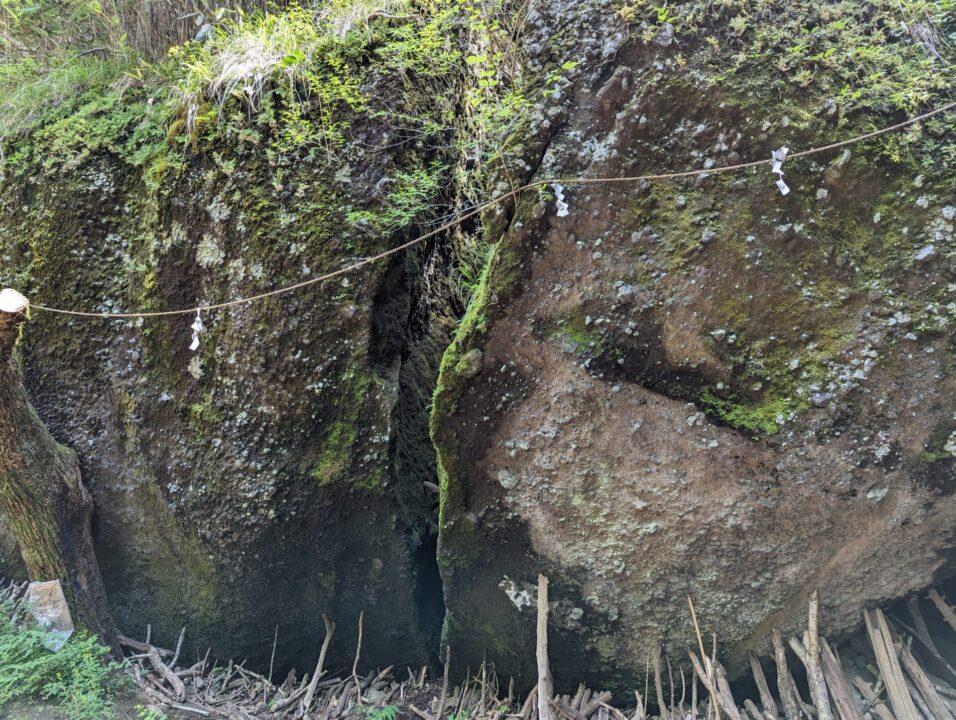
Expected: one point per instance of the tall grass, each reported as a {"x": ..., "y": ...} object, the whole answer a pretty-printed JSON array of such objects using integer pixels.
[
  {"x": 154, "y": 26},
  {"x": 28, "y": 89},
  {"x": 257, "y": 50},
  {"x": 340, "y": 17}
]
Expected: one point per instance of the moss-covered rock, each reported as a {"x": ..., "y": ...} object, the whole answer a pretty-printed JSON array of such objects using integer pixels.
[{"x": 277, "y": 473}]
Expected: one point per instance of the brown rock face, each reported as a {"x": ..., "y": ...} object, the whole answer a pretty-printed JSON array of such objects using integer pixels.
[{"x": 695, "y": 387}]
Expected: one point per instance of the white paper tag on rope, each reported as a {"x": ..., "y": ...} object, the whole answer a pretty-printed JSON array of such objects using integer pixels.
[
  {"x": 559, "y": 204},
  {"x": 778, "y": 156},
  {"x": 197, "y": 328}
]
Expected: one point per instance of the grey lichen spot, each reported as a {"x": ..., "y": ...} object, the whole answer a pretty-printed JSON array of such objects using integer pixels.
[
  {"x": 950, "y": 446},
  {"x": 925, "y": 253},
  {"x": 195, "y": 368},
  {"x": 877, "y": 494},
  {"x": 521, "y": 597},
  {"x": 470, "y": 363},
  {"x": 665, "y": 36},
  {"x": 175, "y": 238},
  {"x": 507, "y": 479},
  {"x": 218, "y": 210},
  {"x": 208, "y": 253}
]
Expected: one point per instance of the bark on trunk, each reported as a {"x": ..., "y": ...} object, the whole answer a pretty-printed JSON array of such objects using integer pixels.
[{"x": 42, "y": 494}]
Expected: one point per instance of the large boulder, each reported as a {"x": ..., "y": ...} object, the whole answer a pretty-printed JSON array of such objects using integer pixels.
[
  {"x": 277, "y": 473},
  {"x": 699, "y": 386}
]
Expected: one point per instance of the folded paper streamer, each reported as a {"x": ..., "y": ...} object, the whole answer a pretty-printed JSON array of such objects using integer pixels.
[
  {"x": 197, "y": 327},
  {"x": 47, "y": 604},
  {"x": 778, "y": 156},
  {"x": 559, "y": 204}
]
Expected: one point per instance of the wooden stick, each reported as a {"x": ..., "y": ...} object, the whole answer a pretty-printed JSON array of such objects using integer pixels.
[
  {"x": 179, "y": 647},
  {"x": 142, "y": 647},
  {"x": 716, "y": 698},
  {"x": 444, "y": 686},
  {"x": 656, "y": 662},
  {"x": 839, "y": 688},
  {"x": 945, "y": 690},
  {"x": 545, "y": 681},
  {"x": 726, "y": 697},
  {"x": 683, "y": 692},
  {"x": 708, "y": 680},
  {"x": 168, "y": 675},
  {"x": 670, "y": 681},
  {"x": 949, "y": 615},
  {"x": 329, "y": 629},
  {"x": 595, "y": 703},
  {"x": 272, "y": 660},
  {"x": 872, "y": 699},
  {"x": 484, "y": 684},
  {"x": 193, "y": 709},
  {"x": 929, "y": 644},
  {"x": 586, "y": 710},
  {"x": 617, "y": 714},
  {"x": 525, "y": 711},
  {"x": 921, "y": 707},
  {"x": 919, "y": 623},
  {"x": 785, "y": 685},
  {"x": 752, "y": 710},
  {"x": 693, "y": 695},
  {"x": 766, "y": 698},
  {"x": 358, "y": 654},
  {"x": 811, "y": 659},
  {"x": 889, "y": 665},
  {"x": 937, "y": 706}
]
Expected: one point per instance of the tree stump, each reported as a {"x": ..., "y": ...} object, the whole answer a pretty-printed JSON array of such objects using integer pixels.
[{"x": 42, "y": 494}]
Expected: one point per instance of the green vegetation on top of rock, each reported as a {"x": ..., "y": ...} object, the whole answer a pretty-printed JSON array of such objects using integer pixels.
[{"x": 846, "y": 55}]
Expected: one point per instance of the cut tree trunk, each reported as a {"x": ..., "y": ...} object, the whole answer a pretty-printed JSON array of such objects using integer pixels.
[{"x": 42, "y": 494}]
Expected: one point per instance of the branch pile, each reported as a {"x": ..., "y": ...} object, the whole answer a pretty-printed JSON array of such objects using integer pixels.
[{"x": 900, "y": 668}]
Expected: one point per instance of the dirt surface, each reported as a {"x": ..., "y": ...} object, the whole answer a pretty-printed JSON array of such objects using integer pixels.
[{"x": 127, "y": 708}]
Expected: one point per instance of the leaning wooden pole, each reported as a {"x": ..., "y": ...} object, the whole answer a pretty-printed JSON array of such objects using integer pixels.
[
  {"x": 41, "y": 492},
  {"x": 545, "y": 681}
]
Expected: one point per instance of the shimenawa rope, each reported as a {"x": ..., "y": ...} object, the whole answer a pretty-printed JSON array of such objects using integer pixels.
[{"x": 462, "y": 217}]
